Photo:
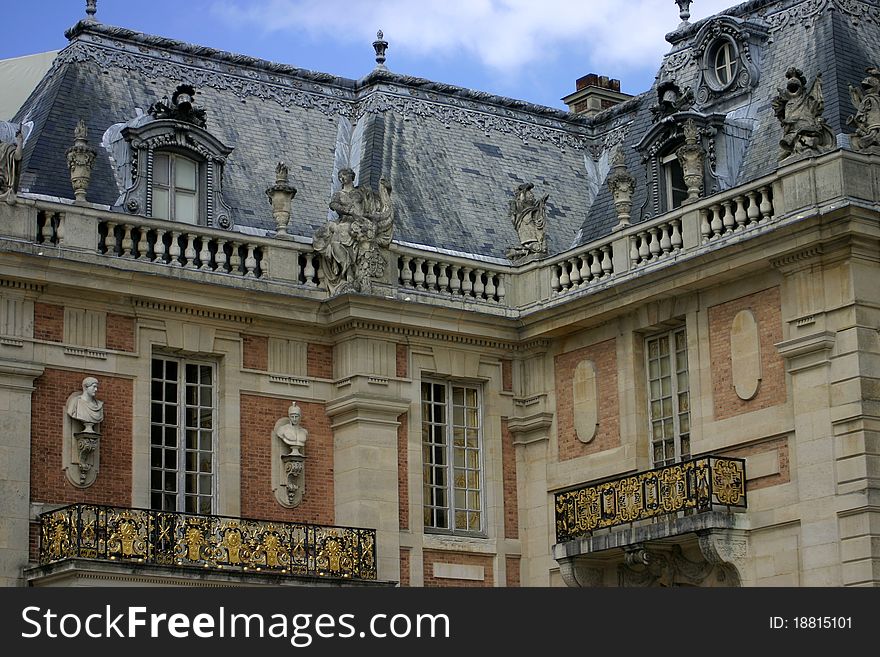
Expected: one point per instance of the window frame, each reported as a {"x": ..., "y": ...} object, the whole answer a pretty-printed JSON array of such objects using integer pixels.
[
  {"x": 449, "y": 467},
  {"x": 723, "y": 43},
  {"x": 198, "y": 193},
  {"x": 679, "y": 453},
  {"x": 667, "y": 162},
  {"x": 181, "y": 494}
]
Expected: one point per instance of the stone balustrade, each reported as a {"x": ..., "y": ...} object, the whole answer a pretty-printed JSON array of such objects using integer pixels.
[
  {"x": 435, "y": 274},
  {"x": 655, "y": 242},
  {"x": 581, "y": 269},
  {"x": 736, "y": 213}
]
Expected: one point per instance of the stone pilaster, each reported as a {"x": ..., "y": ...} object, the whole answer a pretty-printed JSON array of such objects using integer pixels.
[{"x": 16, "y": 386}]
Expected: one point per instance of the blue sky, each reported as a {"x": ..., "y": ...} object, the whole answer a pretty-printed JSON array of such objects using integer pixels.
[{"x": 532, "y": 50}]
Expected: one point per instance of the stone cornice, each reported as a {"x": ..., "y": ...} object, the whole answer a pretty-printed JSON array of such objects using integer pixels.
[
  {"x": 191, "y": 311},
  {"x": 22, "y": 285}
]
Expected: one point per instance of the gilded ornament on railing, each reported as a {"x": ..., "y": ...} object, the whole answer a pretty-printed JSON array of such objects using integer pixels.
[
  {"x": 694, "y": 485},
  {"x": 176, "y": 540}
]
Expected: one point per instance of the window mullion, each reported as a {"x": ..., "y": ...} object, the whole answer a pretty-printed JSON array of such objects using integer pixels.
[
  {"x": 450, "y": 459},
  {"x": 181, "y": 437}
]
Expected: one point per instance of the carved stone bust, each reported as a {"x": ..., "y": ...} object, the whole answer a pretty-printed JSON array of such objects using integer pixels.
[
  {"x": 290, "y": 432},
  {"x": 86, "y": 408}
]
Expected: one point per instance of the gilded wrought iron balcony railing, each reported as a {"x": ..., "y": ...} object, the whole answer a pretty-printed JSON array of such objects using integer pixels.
[
  {"x": 174, "y": 540},
  {"x": 700, "y": 484}
]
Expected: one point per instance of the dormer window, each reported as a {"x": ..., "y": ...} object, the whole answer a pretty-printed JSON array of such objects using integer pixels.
[
  {"x": 175, "y": 188},
  {"x": 176, "y": 164},
  {"x": 724, "y": 62}
]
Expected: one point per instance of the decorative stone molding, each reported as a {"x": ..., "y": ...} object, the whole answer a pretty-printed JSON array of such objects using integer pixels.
[
  {"x": 528, "y": 215},
  {"x": 867, "y": 117},
  {"x": 691, "y": 157},
  {"x": 531, "y": 421},
  {"x": 83, "y": 435},
  {"x": 80, "y": 160},
  {"x": 354, "y": 246},
  {"x": 289, "y": 436},
  {"x": 799, "y": 110},
  {"x": 577, "y": 573},
  {"x": 280, "y": 195},
  {"x": 622, "y": 185},
  {"x": 729, "y": 550}
]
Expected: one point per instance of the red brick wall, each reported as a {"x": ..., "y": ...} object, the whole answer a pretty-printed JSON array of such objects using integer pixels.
[
  {"x": 403, "y": 469},
  {"x": 404, "y": 566},
  {"x": 402, "y": 361},
  {"x": 120, "y": 332},
  {"x": 460, "y": 558},
  {"x": 48, "y": 322},
  {"x": 320, "y": 361},
  {"x": 765, "y": 306},
  {"x": 507, "y": 375},
  {"x": 48, "y": 482},
  {"x": 258, "y": 417},
  {"x": 512, "y": 564},
  {"x": 781, "y": 447},
  {"x": 604, "y": 356},
  {"x": 255, "y": 352},
  {"x": 508, "y": 465}
]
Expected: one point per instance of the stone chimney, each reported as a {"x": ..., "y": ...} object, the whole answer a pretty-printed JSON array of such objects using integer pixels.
[{"x": 593, "y": 94}]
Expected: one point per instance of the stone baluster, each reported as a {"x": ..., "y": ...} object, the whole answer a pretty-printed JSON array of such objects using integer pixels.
[
  {"x": 665, "y": 238},
  {"x": 654, "y": 246},
  {"x": 143, "y": 244},
  {"x": 174, "y": 251},
  {"x": 205, "y": 255},
  {"x": 675, "y": 239},
  {"x": 554, "y": 278},
  {"x": 406, "y": 275},
  {"x": 110, "y": 244},
  {"x": 490, "y": 286},
  {"x": 633, "y": 250},
  {"x": 644, "y": 251},
  {"x": 717, "y": 224},
  {"x": 127, "y": 242},
  {"x": 564, "y": 278},
  {"x": 754, "y": 214},
  {"x": 705, "y": 226},
  {"x": 596, "y": 264},
  {"x": 235, "y": 259},
  {"x": 308, "y": 270},
  {"x": 585, "y": 268},
  {"x": 467, "y": 286},
  {"x": 419, "y": 274},
  {"x": 189, "y": 253},
  {"x": 766, "y": 206},
  {"x": 250, "y": 261},
  {"x": 159, "y": 246},
  {"x": 479, "y": 286},
  {"x": 728, "y": 220},
  {"x": 443, "y": 279},
  {"x": 607, "y": 261},
  {"x": 574, "y": 275},
  {"x": 46, "y": 230},
  {"x": 740, "y": 216},
  {"x": 59, "y": 229},
  {"x": 430, "y": 276},
  {"x": 220, "y": 258},
  {"x": 500, "y": 291},
  {"x": 454, "y": 280}
]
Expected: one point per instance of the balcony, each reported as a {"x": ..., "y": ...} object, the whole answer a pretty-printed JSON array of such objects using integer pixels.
[
  {"x": 697, "y": 486},
  {"x": 172, "y": 545}
]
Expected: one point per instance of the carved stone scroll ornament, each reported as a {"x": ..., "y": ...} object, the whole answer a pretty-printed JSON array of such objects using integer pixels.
[
  {"x": 80, "y": 160},
  {"x": 529, "y": 217},
  {"x": 622, "y": 185},
  {"x": 280, "y": 195},
  {"x": 10, "y": 165},
  {"x": 86, "y": 414},
  {"x": 867, "y": 117},
  {"x": 799, "y": 109},
  {"x": 691, "y": 157},
  {"x": 353, "y": 247},
  {"x": 290, "y": 440}
]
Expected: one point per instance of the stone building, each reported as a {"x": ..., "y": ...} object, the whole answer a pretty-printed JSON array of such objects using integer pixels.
[{"x": 269, "y": 326}]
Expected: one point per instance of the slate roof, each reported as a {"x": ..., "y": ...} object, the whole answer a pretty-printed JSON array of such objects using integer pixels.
[{"x": 453, "y": 156}]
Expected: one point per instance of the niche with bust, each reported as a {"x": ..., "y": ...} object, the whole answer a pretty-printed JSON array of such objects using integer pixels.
[
  {"x": 288, "y": 458},
  {"x": 84, "y": 415}
]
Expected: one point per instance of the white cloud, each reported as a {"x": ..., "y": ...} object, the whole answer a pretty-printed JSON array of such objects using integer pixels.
[{"x": 503, "y": 35}]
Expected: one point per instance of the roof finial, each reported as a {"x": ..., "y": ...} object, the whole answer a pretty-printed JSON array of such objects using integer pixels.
[
  {"x": 684, "y": 9},
  {"x": 380, "y": 46},
  {"x": 91, "y": 9}
]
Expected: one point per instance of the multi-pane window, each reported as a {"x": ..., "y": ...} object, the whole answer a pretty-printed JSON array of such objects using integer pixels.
[
  {"x": 724, "y": 63},
  {"x": 182, "y": 435},
  {"x": 668, "y": 397},
  {"x": 175, "y": 188},
  {"x": 451, "y": 438},
  {"x": 676, "y": 188}
]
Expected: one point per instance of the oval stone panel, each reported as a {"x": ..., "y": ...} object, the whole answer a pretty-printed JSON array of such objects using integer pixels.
[
  {"x": 745, "y": 354},
  {"x": 585, "y": 398}
]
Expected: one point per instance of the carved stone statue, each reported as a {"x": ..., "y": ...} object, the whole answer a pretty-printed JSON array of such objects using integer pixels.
[
  {"x": 867, "y": 116},
  {"x": 10, "y": 166},
  {"x": 352, "y": 246},
  {"x": 529, "y": 217},
  {"x": 290, "y": 432},
  {"x": 86, "y": 408},
  {"x": 799, "y": 109}
]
